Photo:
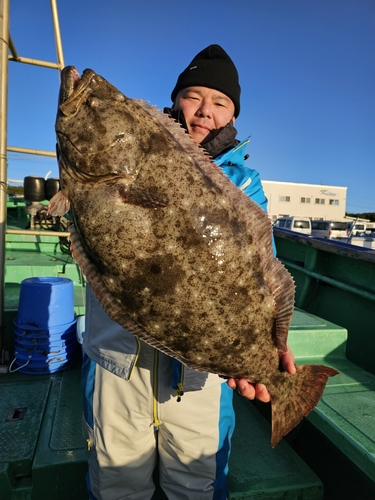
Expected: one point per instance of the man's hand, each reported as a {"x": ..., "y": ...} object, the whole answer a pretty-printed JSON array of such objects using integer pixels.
[{"x": 259, "y": 391}]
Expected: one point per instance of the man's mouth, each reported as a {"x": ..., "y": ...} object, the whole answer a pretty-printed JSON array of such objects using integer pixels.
[{"x": 200, "y": 126}]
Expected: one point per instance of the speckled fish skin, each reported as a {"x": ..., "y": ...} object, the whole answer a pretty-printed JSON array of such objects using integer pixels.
[{"x": 173, "y": 250}]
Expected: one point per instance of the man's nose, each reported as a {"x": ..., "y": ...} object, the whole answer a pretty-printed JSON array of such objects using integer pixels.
[{"x": 205, "y": 109}]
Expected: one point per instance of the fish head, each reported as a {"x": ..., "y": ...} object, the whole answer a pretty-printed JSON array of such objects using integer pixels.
[{"x": 97, "y": 130}]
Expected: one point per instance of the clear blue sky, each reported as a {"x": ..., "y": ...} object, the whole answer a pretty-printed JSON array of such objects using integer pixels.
[{"x": 307, "y": 72}]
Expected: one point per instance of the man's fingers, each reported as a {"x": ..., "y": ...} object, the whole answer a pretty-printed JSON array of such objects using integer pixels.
[
  {"x": 262, "y": 393},
  {"x": 245, "y": 389},
  {"x": 250, "y": 391}
]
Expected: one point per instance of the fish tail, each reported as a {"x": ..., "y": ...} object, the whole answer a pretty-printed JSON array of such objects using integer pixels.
[{"x": 305, "y": 389}]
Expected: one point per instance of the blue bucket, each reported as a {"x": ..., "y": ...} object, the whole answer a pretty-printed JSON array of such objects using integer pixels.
[
  {"x": 38, "y": 353},
  {"x": 30, "y": 343},
  {"x": 38, "y": 365},
  {"x": 31, "y": 334},
  {"x": 46, "y": 302},
  {"x": 45, "y": 328}
]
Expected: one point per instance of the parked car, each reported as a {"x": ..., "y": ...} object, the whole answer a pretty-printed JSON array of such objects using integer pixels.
[
  {"x": 298, "y": 224},
  {"x": 329, "y": 229}
]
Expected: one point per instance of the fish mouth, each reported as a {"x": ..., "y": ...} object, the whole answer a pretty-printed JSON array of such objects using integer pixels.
[{"x": 73, "y": 89}]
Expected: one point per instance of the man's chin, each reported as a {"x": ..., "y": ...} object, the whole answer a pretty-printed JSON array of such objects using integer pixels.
[{"x": 201, "y": 135}]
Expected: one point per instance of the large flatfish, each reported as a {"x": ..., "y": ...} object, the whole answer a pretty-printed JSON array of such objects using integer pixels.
[{"x": 174, "y": 251}]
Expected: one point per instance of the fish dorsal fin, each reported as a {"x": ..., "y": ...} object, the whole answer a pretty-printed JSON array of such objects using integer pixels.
[{"x": 278, "y": 279}]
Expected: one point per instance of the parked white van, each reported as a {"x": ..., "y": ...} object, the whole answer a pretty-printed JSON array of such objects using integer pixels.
[
  {"x": 329, "y": 229},
  {"x": 298, "y": 224}
]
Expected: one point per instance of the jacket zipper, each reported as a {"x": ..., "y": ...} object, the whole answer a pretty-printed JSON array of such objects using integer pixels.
[
  {"x": 156, "y": 421},
  {"x": 180, "y": 387}
]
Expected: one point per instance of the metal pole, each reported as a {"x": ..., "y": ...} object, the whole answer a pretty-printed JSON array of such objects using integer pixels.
[
  {"x": 4, "y": 30},
  {"x": 44, "y": 232},
  {"x": 40, "y": 152},
  {"x": 56, "y": 25},
  {"x": 35, "y": 62}
]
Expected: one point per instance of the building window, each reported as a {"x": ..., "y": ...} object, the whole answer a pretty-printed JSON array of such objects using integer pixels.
[
  {"x": 305, "y": 200},
  {"x": 333, "y": 202},
  {"x": 285, "y": 198},
  {"x": 319, "y": 201}
]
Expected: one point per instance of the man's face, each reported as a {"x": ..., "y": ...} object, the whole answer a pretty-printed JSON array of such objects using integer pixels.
[{"x": 206, "y": 111}]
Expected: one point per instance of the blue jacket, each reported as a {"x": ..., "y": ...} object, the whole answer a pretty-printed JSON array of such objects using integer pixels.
[{"x": 233, "y": 165}]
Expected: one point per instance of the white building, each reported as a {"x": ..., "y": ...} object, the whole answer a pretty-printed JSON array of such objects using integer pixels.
[{"x": 317, "y": 201}]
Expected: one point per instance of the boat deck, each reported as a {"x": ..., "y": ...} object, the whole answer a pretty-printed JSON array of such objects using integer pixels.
[{"x": 41, "y": 444}]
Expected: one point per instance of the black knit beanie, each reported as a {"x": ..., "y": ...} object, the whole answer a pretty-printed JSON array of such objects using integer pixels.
[{"x": 211, "y": 68}]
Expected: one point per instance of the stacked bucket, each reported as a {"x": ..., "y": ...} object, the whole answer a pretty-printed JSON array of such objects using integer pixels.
[{"x": 45, "y": 327}]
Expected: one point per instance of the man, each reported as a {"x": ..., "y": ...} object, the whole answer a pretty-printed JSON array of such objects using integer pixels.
[{"x": 141, "y": 407}]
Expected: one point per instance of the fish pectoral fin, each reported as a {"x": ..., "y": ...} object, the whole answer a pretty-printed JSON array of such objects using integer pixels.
[
  {"x": 141, "y": 197},
  {"x": 305, "y": 390},
  {"x": 58, "y": 205}
]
